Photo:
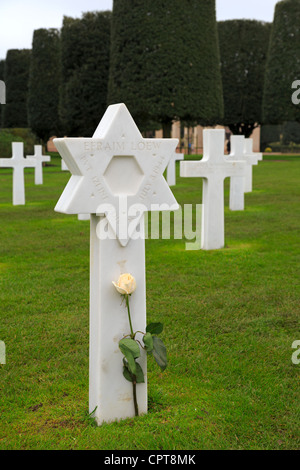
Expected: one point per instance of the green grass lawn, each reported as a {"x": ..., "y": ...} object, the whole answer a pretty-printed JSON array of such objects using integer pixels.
[{"x": 230, "y": 318}]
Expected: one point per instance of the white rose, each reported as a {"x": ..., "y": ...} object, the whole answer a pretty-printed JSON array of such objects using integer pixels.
[{"x": 126, "y": 284}]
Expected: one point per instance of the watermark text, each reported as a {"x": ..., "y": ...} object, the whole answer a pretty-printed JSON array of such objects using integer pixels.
[
  {"x": 2, "y": 353},
  {"x": 296, "y": 354},
  {"x": 2, "y": 92},
  {"x": 296, "y": 94},
  {"x": 160, "y": 221}
]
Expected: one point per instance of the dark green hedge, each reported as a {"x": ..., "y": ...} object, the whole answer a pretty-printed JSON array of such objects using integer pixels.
[
  {"x": 7, "y": 136},
  {"x": 85, "y": 49},
  {"x": 243, "y": 49},
  {"x": 16, "y": 74},
  {"x": 283, "y": 66},
  {"x": 44, "y": 80},
  {"x": 165, "y": 61}
]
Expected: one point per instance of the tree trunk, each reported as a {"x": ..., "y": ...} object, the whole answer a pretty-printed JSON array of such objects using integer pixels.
[{"x": 167, "y": 129}]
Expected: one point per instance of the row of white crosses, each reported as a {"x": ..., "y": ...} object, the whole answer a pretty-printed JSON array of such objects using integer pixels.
[
  {"x": 242, "y": 150},
  {"x": 17, "y": 162},
  {"x": 117, "y": 167},
  {"x": 214, "y": 167}
]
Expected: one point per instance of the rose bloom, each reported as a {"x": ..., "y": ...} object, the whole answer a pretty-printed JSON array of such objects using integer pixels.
[{"x": 126, "y": 284}]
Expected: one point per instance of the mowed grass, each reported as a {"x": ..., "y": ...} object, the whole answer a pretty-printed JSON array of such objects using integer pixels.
[{"x": 230, "y": 318}]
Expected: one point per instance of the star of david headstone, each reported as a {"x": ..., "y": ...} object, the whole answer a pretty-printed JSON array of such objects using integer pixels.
[{"x": 117, "y": 168}]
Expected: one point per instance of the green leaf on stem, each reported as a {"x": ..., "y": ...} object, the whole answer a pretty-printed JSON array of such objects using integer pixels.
[
  {"x": 139, "y": 376},
  {"x": 131, "y": 351},
  {"x": 148, "y": 342},
  {"x": 154, "y": 328},
  {"x": 128, "y": 344},
  {"x": 159, "y": 352}
]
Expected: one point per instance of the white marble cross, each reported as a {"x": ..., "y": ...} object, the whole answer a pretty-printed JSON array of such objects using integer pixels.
[
  {"x": 171, "y": 168},
  {"x": 64, "y": 166},
  {"x": 213, "y": 168},
  {"x": 115, "y": 170},
  {"x": 237, "y": 183},
  {"x": 18, "y": 163},
  {"x": 253, "y": 158},
  {"x": 39, "y": 158}
]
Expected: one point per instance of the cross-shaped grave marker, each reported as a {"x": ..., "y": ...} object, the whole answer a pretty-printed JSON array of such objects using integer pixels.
[
  {"x": 254, "y": 158},
  {"x": 213, "y": 168},
  {"x": 171, "y": 168},
  {"x": 18, "y": 163},
  {"x": 237, "y": 183},
  {"x": 39, "y": 158},
  {"x": 116, "y": 170}
]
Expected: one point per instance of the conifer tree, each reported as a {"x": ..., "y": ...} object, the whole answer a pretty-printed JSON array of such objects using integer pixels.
[
  {"x": 85, "y": 48},
  {"x": 16, "y": 75},
  {"x": 165, "y": 61},
  {"x": 243, "y": 50},
  {"x": 283, "y": 65},
  {"x": 43, "y": 92}
]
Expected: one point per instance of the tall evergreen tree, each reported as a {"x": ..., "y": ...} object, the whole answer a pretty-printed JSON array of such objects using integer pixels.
[
  {"x": 85, "y": 47},
  {"x": 16, "y": 75},
  {"x": 243, "y": 49},
  {"x": 165, "y": 61},
  {"x": 283, "y": 65},
  {"x": 43, "y": 92}
]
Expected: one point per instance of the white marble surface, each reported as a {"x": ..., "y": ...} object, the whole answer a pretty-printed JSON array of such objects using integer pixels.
[
  {"x": 17, "y": 162},
  {"x": 40, "y": 159},
  {"x": 171, "y": 168},
  {"x": 213, "y": 169},
  {"x": 116, "y": 168},
  {"x": 253, "y": 158}
]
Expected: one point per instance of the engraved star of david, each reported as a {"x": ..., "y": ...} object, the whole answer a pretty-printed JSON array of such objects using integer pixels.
[{"x": 116, "y": 166}]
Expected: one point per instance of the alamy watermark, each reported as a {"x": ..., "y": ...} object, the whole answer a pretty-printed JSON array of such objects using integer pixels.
[
  {"x": 296, "y": 94},
  {"x": 296, "y": 354},
  {"x": 2, "y": 92},
  {"x": 166, "y": 222}
]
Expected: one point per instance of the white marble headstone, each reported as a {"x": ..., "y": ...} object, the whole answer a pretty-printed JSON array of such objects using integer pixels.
[
  {"x": 171, "y": 168},
  {"x": 213, "y": 168},
  {"x": 115, "y": 168},
  {"x": 17, "y": 162},
  {"x": 253, "y": 158},
  {"x": 40, "y": 159},
  {"x": 237, "y": 183}
]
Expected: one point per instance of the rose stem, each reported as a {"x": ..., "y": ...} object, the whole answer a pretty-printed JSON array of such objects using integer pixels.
[
  {"x": 129, "y": 317},
  {"x": 136, "y": 408}
]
